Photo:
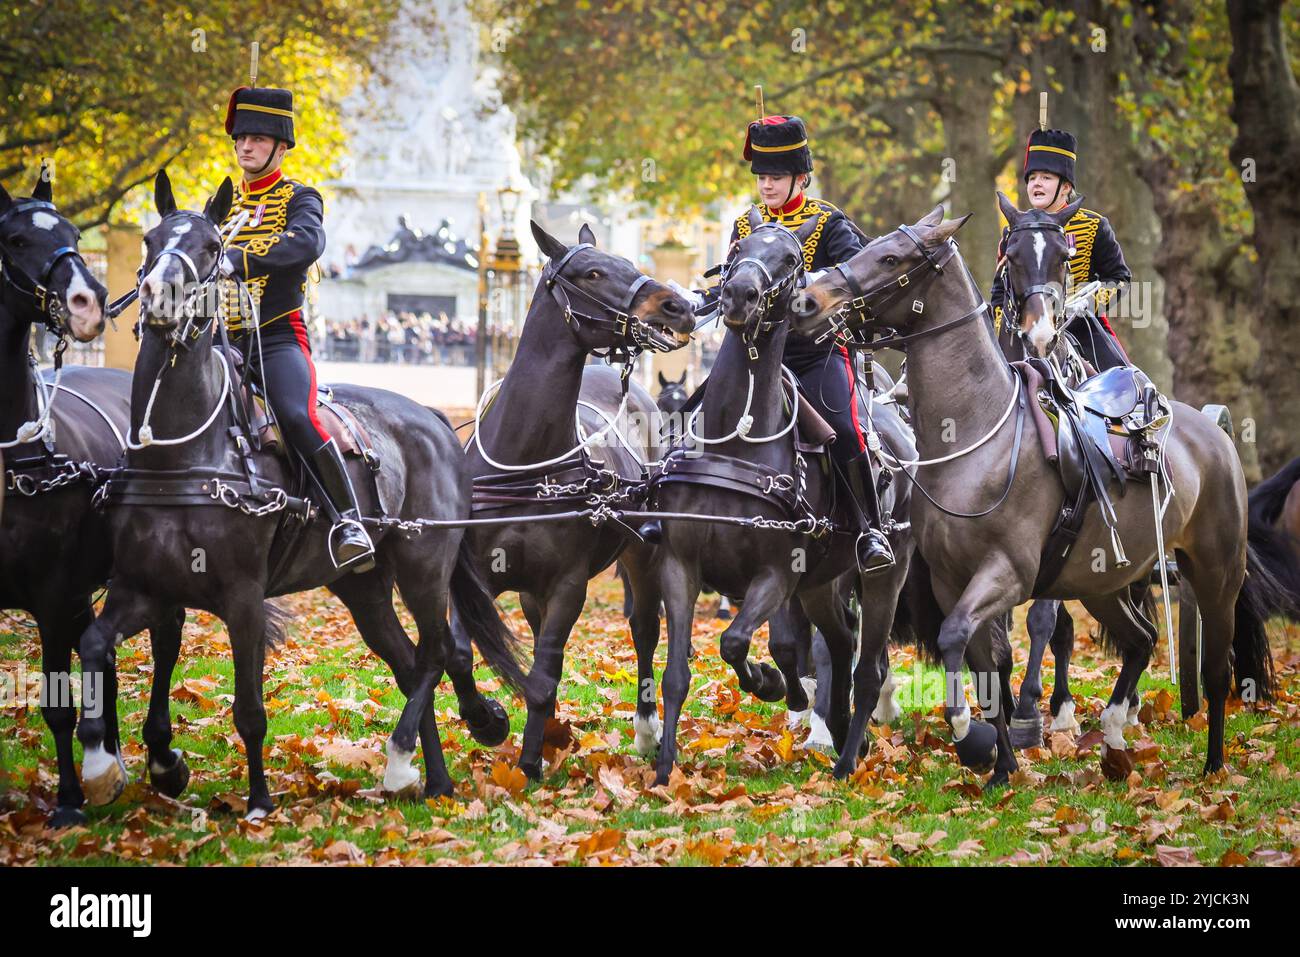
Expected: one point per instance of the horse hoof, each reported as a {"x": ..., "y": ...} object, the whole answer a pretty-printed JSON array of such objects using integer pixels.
[
  {"x": 1116, "y": 763},
  {"x": 170, "y": 782},
  {"x": 493, "y": 729},
  {"x": 724, "y": 614},
  {"x": 649, "y": 731},
  {"x": 979, "y": 749},
  {"x": 401, "y": 777},
  {"x": 103, "y": 776},
  {"x": 843, "y": 768},
  {"x": 532, "y": 769},
  {"x": 66, "y": 817},
  {"x": 258, "y": 810},
  {"x": 443, "y": 789},
  {"x": 1027, "y": 732},
  {"x": 999, "y": 780},
  {"x": 771, "y": 686}
]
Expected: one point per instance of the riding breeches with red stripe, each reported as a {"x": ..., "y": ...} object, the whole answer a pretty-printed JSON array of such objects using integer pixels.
[
  {"x": 830, "y": 382},
  {"x": 290, "y": 383}
]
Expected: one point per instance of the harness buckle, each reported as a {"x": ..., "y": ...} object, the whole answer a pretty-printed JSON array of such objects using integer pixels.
[
  {"x": 903, "y": 280},
  {"x": 753, "y": 352}
]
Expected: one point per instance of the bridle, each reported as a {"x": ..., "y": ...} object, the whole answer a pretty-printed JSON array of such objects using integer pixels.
[
  {"x": 183, "y": 336},
  {"x": 635, "y": 333},
  {"x": 773, "y": 292},
  {"x": 868, "y": 307},
  {"x": 50, "y": 305},
  {"x": 1053, "y": 291}
]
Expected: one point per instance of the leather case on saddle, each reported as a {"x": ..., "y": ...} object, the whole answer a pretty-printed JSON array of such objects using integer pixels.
[{"x": 812, "y": 432}]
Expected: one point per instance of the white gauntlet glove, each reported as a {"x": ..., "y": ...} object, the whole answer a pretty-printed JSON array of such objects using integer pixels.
[{"x": 696, "y": 299}]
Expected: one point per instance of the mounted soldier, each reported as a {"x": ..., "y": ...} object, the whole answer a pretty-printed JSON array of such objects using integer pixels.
[
  {"x": 270, "y": 255},
  {"x": 781, "y": 160},
  {"x": 1049, "y": 175}
]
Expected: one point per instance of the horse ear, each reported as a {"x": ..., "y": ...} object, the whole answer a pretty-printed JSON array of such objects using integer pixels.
[
  {"x": 663, "y": 383},
  {"x": 682, "y": 380},
  {"x": 1065, "y": 215},
  {"x": 551, "y": 247},
  {"x": 933, "y": 218},
  {"x": 585, "y": 235},
  {"x": 44, "y": 190},
  {"x": 755, "y": 218},
  {"x": 1009, "y": 209},
  {"x": 218, "y": 205},
  {"x": 944, "y": 231},
  {"x": 163, "y": 201},
  {"x": 807, "y": 229}
]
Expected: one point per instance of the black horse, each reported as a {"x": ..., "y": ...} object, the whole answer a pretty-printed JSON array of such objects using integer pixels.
[
  {"x": 526, "y": 459},
  {"x": 742, "y": 427},
  {"x": 190, "y": 492},
  {"x": 54, "y": 547}
]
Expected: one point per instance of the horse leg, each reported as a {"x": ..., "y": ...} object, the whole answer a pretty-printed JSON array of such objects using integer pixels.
[
  {"x": 825, "y": 606},
  {"x": 1134, "y": 640},
  {"x": 680, "y": 590},
  {"x": 484, "y": 717},
  {"x": 989, "y": 657},
  {"x": 246, "y": 622},
  {"x": 1217, "y": 585},
  {"x": 819, "y": 732},
  {"x": 641, "y": 581},
  {"x": 168, "y": 772},
  {"x": 423, "y": 586},
  {"x": 1027, "y": 721},
  {"x": 784, "y": 630},
  {"x": 763, "y": 597},
  {"x": 1062, "y": 645},
  {"x": 369, "y": 598},
  {"x": 60, "y": 630},
  {"x": 126, "y": 613},
  {"x": 562, "y": 608},
  {"x": 986, "y": 596}
]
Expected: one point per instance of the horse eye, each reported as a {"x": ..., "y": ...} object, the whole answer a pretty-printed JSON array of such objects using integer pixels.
[
  {"x": 890, "y": 260},
  {"x": 593, "y": 274}
]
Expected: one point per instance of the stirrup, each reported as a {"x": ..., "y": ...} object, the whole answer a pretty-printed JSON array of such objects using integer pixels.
[
  {"x": 362, "y": 561},
  {"x": 882, "y": 558}
]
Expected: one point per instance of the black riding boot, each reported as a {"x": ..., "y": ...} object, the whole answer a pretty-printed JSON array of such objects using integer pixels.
[
  {"x": 872, "y": 547},
  {"x": 350, "y": 545}
]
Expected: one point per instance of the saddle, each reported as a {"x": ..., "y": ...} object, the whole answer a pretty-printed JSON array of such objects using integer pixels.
[{"x": 1099, "y": 435}]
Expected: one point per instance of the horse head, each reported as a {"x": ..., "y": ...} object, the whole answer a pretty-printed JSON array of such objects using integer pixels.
[
  {"x": 880, "y": 284},
  {"x": 672, "y": 393},
  {"x": 182, "y": 256},
  {"x": 761, "y": 275},
  {"x": 1037, "y": 258},
  {"x": 608, "y": 302},
  {"x": 44, "y": 277}
]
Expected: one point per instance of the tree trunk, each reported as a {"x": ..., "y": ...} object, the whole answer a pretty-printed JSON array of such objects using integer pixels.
[
  {"x": 965, "y": 105},
  {"x": 1266, "y": 109}
]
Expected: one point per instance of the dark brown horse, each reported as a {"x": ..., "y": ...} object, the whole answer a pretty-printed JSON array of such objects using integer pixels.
[
  {"x": 990, "y": 504},
  {"x": 588, "y": 301},
  {"x": 54, "y": 547}
]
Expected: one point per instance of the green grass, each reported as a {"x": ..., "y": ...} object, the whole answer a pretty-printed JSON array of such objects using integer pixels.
[{"x": 763, "y": 798}]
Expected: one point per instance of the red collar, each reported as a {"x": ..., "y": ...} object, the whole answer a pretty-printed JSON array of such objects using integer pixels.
[{"x": 257, "y": 185}]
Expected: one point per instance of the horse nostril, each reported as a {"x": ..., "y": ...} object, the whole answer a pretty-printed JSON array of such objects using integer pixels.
[{"x": 79, "y": 301}]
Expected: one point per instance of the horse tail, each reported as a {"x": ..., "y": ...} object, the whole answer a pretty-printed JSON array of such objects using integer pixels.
[
  {"x": 277, "y": 620},
  {"x": 919, "y": 617},
  {"x": 481, "y": 618},
  {"x": 1263, "y": 594},
  {"x": 1268, "y": 497},
  {"x": 1276, "y": 550}
]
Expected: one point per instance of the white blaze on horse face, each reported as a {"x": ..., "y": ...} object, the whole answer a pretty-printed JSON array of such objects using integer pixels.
[
  {"x": 1040, "y": 247},
  {"x": 86, "y": 317},
  {"x": 1043, "y": 331},
  {"x": 44, "y": 220}
]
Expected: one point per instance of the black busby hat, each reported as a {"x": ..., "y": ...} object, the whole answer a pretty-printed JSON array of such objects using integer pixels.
[
  {"x": 261, "y": 110},
  {"x": 1051, "y": 151},
  {"x": 778, "y": 145}
]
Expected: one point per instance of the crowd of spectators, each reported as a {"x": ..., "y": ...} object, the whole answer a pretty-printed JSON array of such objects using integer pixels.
[{"x": 405, "y": 337}]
